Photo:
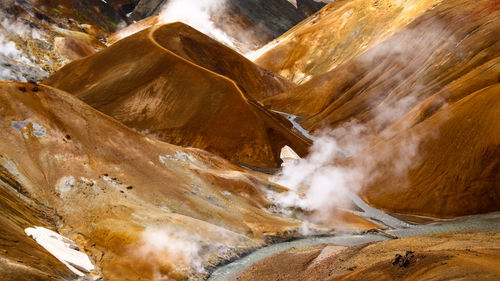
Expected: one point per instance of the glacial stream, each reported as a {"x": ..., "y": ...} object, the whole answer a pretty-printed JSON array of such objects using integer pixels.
[
  {"x": 488, "y": 222},
  {"x": 393, "y": 227}
]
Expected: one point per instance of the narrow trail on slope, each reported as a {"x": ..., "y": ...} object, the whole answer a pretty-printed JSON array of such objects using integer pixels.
[{"x": 249, "y": 101}]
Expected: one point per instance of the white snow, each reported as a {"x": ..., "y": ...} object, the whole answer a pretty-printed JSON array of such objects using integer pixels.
[
  {"x": 62, "y": 248},
  {"x": 288, "y": 156}
]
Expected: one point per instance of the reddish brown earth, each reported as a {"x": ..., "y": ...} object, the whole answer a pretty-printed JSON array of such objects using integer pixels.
[
  {"x": 143, "y": 84},
  {"x": 203, "y": 51},
  {"x": 459, "y": 170},
  {"x": 75, "y": 170},
  {"x": 454, "y": 38},
  {"x": 21, "y": 258},
  {"x": 429, "y": 95},
  {"x": 443, "y": 256},
  {"x": 337, "y": 33},
  {"x": 72, "y": 49}
]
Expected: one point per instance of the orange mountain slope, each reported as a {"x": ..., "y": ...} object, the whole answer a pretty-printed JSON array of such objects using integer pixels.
[
  {"x": 206, "y": 52},
  {"x": 439, "y": 47},
  {"x": 202, "y": 50},
  {"x": 457, "y": 168},
  {"x": 20, "y": 254},
  {"x": 337, "y": 33},
  {"x": 142, "y": 83},
  {"x": 104, "y": 185}
]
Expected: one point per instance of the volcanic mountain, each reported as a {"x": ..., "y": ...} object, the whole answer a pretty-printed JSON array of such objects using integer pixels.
[
  {"x": 429, "y": 99},
  {"x": 66, "y": 166},
  {"x": 396, "y": 74},
  {"x": 340, "y": 31},
  {"x": 150, "y": 81}
]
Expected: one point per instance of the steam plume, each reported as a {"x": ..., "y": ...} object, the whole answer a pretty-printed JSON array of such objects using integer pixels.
[
  {"x": 162, "y": 247},
  {"x": 342, "y": 161},
  {"x": 15, "y": 64},
  {"x": 197, "y": 14}
]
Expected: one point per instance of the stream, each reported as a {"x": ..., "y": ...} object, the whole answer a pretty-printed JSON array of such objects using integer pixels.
[
  {"x": 393, "y": 227},
  {"x": 487, "y": 222}
]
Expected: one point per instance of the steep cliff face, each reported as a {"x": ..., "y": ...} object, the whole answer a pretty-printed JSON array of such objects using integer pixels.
[
  {"x": 164, "y": 81},
  {"x": 121, "y": 195}
]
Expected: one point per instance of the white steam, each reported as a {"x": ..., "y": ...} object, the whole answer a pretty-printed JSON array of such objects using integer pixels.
[
  {"x": 197, "y": 14},
  {"x": 171, "y": 252},
  {"x": 15, "y": 64},
  {"x": 339, "y": 165},
  {"x": 174, "y": 249},
  {"x": 345, "y": 160},
  {"x": 324, "y": 184}
]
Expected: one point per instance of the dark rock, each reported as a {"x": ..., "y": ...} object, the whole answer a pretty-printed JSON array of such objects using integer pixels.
[
  {"x": 396, "y": 259},
  {"x": 403, "y": 262}
]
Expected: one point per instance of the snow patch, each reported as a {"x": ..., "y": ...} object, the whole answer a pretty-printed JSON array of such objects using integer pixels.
[
  {"x": 64, "y": 249},
  {"x": 288, "y": 156}
]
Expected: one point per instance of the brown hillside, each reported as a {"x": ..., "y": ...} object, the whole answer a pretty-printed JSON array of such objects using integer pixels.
[
  {"x": 457, "y": 170},
  {"x": 20, "y": 254},
  {"x": 439, "y": 47},
  {"x": 337, "y": 33},
  {"x": 102, "y": 184},
  {"x": 206, "y": 52},
  {"x": 202, "y": 50},
  {"x": 149, "y": 88}
]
